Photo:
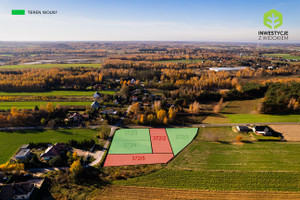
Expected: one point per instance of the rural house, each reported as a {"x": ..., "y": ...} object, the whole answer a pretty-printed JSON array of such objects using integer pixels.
[
  {"x": 17, "y": 191},
  {"x": 262, "y": 130},
  {"x": 243, "y": 129},
  {"x": 53, "y": 151}
]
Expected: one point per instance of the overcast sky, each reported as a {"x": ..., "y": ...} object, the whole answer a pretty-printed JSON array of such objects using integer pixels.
[{"x": 158, "y": 20}]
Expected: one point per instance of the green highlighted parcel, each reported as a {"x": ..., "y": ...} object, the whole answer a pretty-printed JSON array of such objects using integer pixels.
[
  {"x": 131, "y": 141},
  {"x": 180, "y": 137}
]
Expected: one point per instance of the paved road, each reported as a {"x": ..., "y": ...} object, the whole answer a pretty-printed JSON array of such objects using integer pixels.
[{"x": 99, "y": 154}]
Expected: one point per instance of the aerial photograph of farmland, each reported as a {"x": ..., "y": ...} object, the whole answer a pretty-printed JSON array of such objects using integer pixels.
[{"x": 121, "y": 100}]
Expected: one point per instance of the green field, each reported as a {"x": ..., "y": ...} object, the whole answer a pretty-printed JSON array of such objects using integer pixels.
[
  {"x": 261, "y": 118},
  {"x": 226, "y": 165},
  {"x": 56, "y": 93},
  {"x": 132, "y": 135},
  {"x": 131, "y": 141},
  {"x": 245, "y": 112},
  {"x": 180, "y": 61},
  {"x": 130, "y": 147},
  {"x": 32, "y": 104},
  {"x": 180, "y": 137},
  {"x": 10, "y": 141},
  {"x": 285, "y": 56},
  {"x": 47, "y": 66}
]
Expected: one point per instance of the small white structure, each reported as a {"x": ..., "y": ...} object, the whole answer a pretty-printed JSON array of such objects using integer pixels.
[
  {"x": 96, "y": 95},
  {"x": 22, "y": 154},
  {"x": 219, "y": 69},
  {"x": 262, "y": 130}
]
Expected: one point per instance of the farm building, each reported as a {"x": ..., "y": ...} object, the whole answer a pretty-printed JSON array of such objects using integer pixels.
[
  {"x": 262, "y": 130},
  {"x": 243, "y": 129},
  {"x": 23, "y": 153}
]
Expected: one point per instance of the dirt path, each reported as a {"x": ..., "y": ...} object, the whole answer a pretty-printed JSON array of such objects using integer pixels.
[{"x": 122, "y": 192}]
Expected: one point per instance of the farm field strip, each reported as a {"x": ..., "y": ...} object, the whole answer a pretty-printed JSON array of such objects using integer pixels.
[
  {"x": 217, "y": 180},
  {"x": 261, "y": 118},
  {"x": 47, "y": 66},
  {"x": 55, "y": 93},
  {"x": 32, "y": 104},
  {"x": 132, "y": 192},
  {"x": 285, "y": 56}
]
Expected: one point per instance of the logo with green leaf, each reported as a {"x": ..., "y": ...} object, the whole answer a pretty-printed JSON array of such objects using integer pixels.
[{"x": 272, "y": 19}]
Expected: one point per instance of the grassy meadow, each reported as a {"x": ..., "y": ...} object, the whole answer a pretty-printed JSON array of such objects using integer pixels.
[
  {"x": 32, "y": 104},
  {"x": 55, "y": 93},
  {"x": 285, "y": 56},
  {"x": 245, "y": 112}
]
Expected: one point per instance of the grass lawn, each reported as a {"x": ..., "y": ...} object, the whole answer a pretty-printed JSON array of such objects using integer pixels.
[
  {"x": 47, "y": 66},
  {"x": 207, "y": 165},
  {"x": 180, "y": 61},
  {"x": 56, "y": 93},
  {"x": 245, "y": 112},
  {"x": 261, "y": 118},
  {"x": 32, "y": 104},
  {"x": 10, "y": 141},
  {"x": 285, "y": 56}
]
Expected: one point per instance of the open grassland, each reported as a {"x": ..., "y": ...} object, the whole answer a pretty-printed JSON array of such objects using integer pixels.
[
  {"x": 32, "y": 104},
  {"x": 10, "y": 141},
  {"x": 245, "y": 112},
  {"x": 261, "y": 118},
  {"x": 55, "y": 93},
  {"x": 129, "y": 192},
  {"x": 180, "y": 61},
  {"x": 250, "y": 118},
  {"x": 285, "y": 56},
  {"x": 47, "y": 66},
  {"x": 226, "y": 165}
]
